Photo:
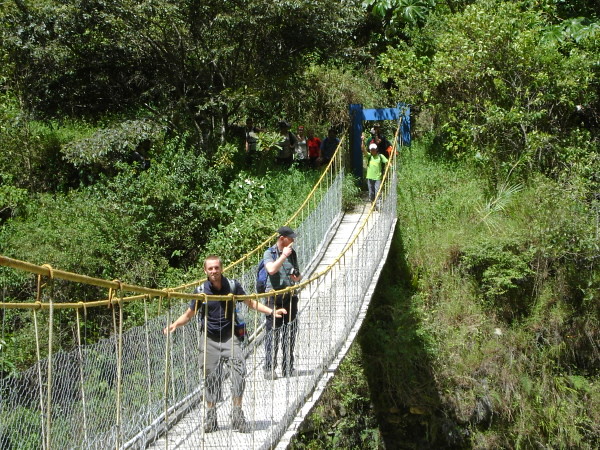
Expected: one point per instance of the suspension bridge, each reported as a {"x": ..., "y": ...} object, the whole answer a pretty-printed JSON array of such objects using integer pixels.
[{"x": 141, "y": 389}]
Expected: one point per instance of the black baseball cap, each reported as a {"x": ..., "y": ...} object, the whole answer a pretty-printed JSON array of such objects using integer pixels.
[{"x": 286, "y": 232}]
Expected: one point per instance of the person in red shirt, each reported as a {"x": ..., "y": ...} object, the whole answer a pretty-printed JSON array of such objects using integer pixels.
[{"x": 314, "y": 144}]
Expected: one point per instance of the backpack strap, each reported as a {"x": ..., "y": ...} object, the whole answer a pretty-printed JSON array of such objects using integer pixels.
[
  {"x": 200, "y": 290},
  {"x": 231, "y": 285}
]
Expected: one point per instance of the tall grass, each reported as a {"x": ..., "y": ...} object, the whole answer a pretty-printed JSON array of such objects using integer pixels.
[{"x": 498, "y": 305}]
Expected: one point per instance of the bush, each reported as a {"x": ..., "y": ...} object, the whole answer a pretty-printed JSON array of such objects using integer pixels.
[
  {"x": 325, "y": 91},
  {"x": 248, "y": 214},
  {"x": 497, "y": 78},
  {"x": 503, "y": 271},
  {"x": 350, "y": 193},
  {"x": 31, "y": 155}
]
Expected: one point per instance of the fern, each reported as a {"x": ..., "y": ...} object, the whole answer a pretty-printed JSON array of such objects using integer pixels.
[{"x": 497, "y": 204}]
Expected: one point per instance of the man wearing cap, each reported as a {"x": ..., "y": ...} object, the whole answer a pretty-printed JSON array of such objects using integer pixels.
[
  {"x": 375, "y": 167},
  {"x": 281, "y": 264}
]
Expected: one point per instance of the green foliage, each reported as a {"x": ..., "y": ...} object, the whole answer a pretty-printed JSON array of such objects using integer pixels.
[
  {"x": 247, "y": 214},
  {"x": 503, "y": 272},
  {"x": 342, "y": 412},
  {"x": 31, "y": 156},
  {"x": 83, "y": 233},
  {"x": 7, "y": 364},
  {"x": 561, "y": 222},
  {"x": 12, "y": 198},
  {"x": 267, "y": 147},
  {"x": 578, "y": 29},
  {"x": 106, "y": 144},
  {"x": 408, "y": 11},
  {"x": 172, "y": 205},
  {"x": 30, "y": 441},
  {"x": 533, "y": 266},
  {"x": 195, "y": 63},
  {"x": 324, "y": 92},
  {"x": 350, "y": 193},
  {"x": 497, "y": 92},
  {"x": 497, "y": 204},
  {"x": 267, "y": 141}
]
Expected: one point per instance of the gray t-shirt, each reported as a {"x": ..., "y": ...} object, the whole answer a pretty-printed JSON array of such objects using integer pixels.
[{"x": 280, "y": 279}]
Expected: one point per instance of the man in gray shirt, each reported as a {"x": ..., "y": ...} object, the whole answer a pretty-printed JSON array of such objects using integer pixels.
[{"x": 281, "y": 264}]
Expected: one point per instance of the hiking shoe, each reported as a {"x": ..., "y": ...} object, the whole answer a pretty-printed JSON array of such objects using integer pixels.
[
  {"x": 211, "y": 424},
  {"x": 238, "y": 421},
  {"x": 270, "y": 375}
]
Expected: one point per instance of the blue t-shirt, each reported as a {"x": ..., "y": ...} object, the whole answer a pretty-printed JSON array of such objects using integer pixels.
[
  {"x": 328, "y": 147},
  {"x": 219, "y": 314}
]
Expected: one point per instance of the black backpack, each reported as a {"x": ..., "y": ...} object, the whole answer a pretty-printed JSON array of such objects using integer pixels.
[{"x": 261, "y": 273}]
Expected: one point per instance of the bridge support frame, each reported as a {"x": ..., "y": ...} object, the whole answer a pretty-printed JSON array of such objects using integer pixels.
[{"x": 358, "y": 115}]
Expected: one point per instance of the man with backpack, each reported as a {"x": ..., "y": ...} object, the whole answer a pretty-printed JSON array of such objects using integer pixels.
[
  {"x": 281, "y": 266},
  {"x": 375, "y": 168},
  {"x": 220, "y": 341}
]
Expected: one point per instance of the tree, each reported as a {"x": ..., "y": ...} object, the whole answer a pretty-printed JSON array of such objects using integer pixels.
[
  {"x": 500, "y": 91},
  {"x": 198, "y": 63}
]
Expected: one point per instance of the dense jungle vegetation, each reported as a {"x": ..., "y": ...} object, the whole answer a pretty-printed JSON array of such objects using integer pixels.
[{"x": 121, "y": 156}]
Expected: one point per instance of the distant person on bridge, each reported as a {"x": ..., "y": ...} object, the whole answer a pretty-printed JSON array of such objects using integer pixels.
[
  {"x": 375, "y": 131},
  {"x": 328, "y": 146},
  {"x": 375, "y": 168},
  {"x": 220, "y": 348},
  {"x": 287, "y": 144},
  {"x": 314, "y": 149},
  {"x": 301, "y": 150},
  {"x": 281, "y": 263},
  {"x": 384, "y": 147}
]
